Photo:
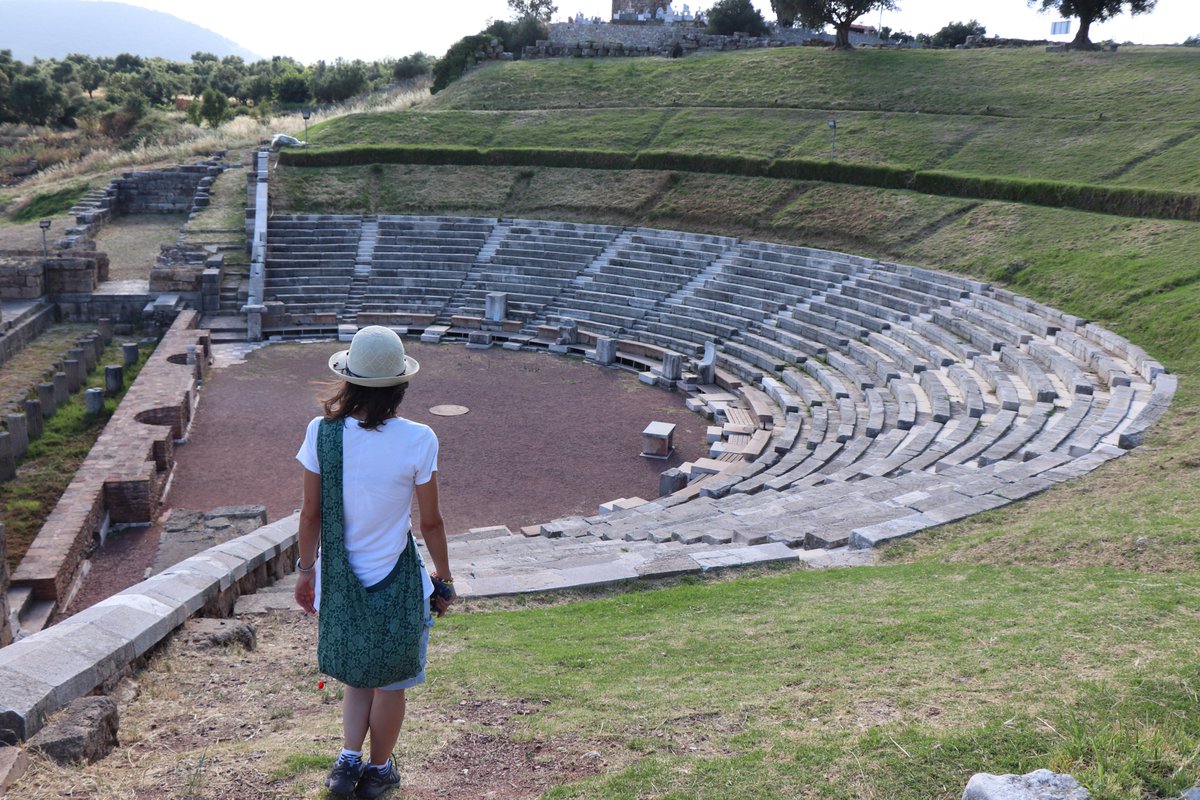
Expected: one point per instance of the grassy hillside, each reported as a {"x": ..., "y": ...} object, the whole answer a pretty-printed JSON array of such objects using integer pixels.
[
  {"x": 1126, "y": 118},
  {"x": 1060, "y": 633}
]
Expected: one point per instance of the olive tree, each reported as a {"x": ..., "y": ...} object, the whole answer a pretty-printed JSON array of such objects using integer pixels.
[
  {"x": 1090, "y": 11},
  {"x": 816, "y": 14}
]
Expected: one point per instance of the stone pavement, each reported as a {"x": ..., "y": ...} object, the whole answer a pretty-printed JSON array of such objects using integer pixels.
[{"x": 495, "y": 562}]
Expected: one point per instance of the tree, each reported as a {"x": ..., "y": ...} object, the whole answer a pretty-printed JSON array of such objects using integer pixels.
[
  {"x": 956, "y": 33},
  {"x": 816, "y": 14},
  {"x": 728, "y": 17},
  {"x": 214, "y": 107},
  {"x": 1090, "y": 11},
  {"x": 542, "y": 10},
  {"x": 291, "y": 87},
  {"x": 34, "y": 99}
]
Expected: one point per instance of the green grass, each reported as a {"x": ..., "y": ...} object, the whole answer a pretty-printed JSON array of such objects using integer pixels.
[
  {"x": 1136, "y": 84},
  {"x": 1058, "y": 632},
  {"x": 51, "y": 460},
  {"x": 1135, "y": 153},
  {"x": 881, "y": 682},
  {"x": 49, "y": 204}
]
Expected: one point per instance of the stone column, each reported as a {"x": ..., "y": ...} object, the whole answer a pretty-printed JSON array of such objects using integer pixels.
[
  {"x": 672, "y": 366},
  {"x": 6, "y": 633},
  {"x": 104, "y": 326},
  {"x": 606, "y": 351},
  {"x": 62, "y": 388},
  {"x": 95, "y": 400},
  {"x": 8, "y": 464},
  {"x": 114, "y": 379},
  {"x": 254, "y": 322},
  {"x": 47, "y": 399},
  {"x": 33, "y": 418},
  {"x": 88, "y": 355},
  {"x": 130, "y": 353},
  {"x": 75, "y": 374},
  {"x": 19, "y": 433},
  {"x": 495, "y": 306}
]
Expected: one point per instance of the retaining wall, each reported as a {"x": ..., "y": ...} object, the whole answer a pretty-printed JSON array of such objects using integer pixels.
[
  {"x": 585, "y": 40},
  {"x": 122, "y": 479},
  {"x": 27, "y": 275},
  {"x": 91, "y": 651}
]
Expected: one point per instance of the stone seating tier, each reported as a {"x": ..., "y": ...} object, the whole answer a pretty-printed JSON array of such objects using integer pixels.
[{"x": 891, "y": 371}]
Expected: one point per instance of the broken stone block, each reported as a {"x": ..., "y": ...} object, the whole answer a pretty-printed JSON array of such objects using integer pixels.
[{"x": 86, "y": 731}]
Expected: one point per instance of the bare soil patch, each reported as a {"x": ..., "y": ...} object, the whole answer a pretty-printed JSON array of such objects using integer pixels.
[
  {"x": 228, "y": 723},
  {"x": 133, "y": 242}
]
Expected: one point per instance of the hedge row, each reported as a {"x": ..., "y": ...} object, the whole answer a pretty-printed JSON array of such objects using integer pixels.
[{"x": 1122, "y": 201}]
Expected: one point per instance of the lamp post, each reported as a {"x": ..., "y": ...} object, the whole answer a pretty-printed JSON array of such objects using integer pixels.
[
  {"x": 833, "y": 141},
  {"x": 44, "y": 224},
  {"x": 306, "y": 113}
]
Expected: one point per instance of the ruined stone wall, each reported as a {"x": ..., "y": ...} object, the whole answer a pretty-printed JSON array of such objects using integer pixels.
[
  {"x": 162, "y": 191},
  {"x": 589, "y": 41},
  {"x": 124, "y": 474}
]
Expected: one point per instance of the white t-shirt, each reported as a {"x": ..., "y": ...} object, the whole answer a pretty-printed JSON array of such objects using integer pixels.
[{"x": 380, "y": 470}]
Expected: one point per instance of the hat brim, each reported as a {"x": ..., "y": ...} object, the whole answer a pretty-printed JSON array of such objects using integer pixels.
[{"x": 338, "y": 366}]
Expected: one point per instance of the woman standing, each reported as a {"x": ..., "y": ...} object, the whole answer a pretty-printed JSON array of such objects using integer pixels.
[{"x": 358, "y": 562}]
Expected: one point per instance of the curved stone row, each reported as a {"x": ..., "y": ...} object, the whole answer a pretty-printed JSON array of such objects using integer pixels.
[{"x": 853, "y": 401}]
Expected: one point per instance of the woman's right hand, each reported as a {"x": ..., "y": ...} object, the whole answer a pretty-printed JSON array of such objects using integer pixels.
[{"x": 306, "y": 591}]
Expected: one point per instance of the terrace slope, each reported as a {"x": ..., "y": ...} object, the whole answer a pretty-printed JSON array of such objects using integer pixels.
[{"x": 1125, "y": 118}]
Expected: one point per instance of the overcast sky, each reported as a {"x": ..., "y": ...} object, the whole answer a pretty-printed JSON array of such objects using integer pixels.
[{"x": 371, "y": 29}]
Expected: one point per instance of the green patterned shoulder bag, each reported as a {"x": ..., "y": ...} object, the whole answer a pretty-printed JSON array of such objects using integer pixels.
[{"x": 367, "y": 636}]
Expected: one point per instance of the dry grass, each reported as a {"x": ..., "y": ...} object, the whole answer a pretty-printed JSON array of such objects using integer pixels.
[
  {"x": 187, "y": 142},
  {"x": 133, "y": 242},
  {"x": 228, "y": 723}
]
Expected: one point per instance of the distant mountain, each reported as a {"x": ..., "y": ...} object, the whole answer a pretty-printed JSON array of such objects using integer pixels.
[{"x": 54, "y": 28}]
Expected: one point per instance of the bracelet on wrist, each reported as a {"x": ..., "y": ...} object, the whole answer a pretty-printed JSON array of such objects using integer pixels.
[{"x": 305, "y": 570}]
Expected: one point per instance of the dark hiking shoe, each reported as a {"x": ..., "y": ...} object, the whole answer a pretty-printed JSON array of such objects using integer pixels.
[
  {"x": 375, "y": 782},
  {"x": 345, "y": 776}
]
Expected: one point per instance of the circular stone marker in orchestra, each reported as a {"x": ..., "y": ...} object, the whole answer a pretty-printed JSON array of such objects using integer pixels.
[{"x": 449, "y": 411}]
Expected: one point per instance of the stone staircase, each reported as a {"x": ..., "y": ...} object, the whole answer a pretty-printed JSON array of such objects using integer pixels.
[{"x": 368, "y": 236}]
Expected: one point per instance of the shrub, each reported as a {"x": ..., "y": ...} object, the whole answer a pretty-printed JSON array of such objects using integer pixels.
[
  {"x": 728, "y": 17},
  {"x": 458, "y": 59},
  {"x": 956, "y": 33},
  {"x": 413, "y": 66},
  {"x": 515, "y": 36}
]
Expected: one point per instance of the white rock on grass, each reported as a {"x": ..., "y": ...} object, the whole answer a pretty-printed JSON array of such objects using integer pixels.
[{"x": 1040, "y": 784}]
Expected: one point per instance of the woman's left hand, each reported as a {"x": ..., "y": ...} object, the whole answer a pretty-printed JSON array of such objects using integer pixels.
[{"x": 440, "y": 604}]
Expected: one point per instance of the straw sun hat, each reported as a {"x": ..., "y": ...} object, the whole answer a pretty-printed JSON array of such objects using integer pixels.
[{"x": 375, "y": 358}]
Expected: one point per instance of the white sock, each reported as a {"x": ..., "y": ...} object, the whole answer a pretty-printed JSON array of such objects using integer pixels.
[{"x": 350, "y": 755}]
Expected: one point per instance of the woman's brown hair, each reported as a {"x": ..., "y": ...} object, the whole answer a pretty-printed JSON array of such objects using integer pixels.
[{"x": 379, "y": 403}]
